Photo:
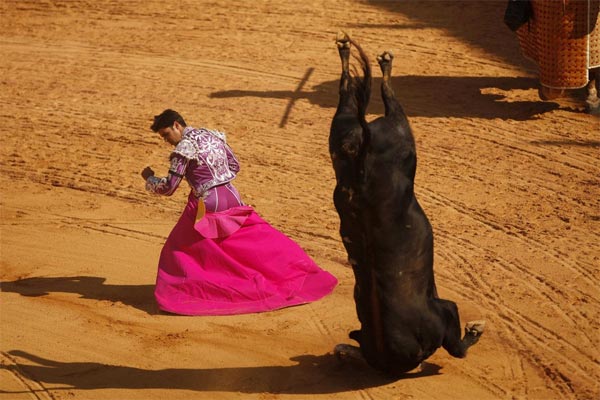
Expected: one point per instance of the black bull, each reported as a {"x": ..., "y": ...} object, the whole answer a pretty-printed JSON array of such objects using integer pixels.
[{"x": 387, "y": 236}]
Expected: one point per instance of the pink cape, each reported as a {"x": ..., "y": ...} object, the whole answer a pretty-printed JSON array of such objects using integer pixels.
[{"x": 234, "y": 262}]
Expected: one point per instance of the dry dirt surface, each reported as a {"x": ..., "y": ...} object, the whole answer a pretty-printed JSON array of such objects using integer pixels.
[{"x": 510, "y": 184}]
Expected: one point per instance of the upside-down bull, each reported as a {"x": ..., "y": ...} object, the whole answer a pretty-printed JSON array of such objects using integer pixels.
[{"x": 387, "y": 236}]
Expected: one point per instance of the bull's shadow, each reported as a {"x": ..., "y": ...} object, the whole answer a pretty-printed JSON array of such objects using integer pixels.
[
  {"x": 431, "y": 96},
  {"x": 88, "y": 287},
  {"x": 310, "y": 375}
]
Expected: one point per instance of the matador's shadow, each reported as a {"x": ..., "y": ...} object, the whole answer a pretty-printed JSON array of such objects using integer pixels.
[
  {"x": 88, "y": 287},
  {"x": 311, "y": 375}
]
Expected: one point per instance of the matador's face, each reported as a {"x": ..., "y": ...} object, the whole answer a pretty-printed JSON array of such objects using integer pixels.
[{"x": 172, "y": 134}]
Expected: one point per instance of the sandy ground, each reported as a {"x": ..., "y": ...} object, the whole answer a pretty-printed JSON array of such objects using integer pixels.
[{"x": 510, "y": 184}]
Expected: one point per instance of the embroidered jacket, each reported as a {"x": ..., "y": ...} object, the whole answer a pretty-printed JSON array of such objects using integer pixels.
[{"x": 203, "y": 157}]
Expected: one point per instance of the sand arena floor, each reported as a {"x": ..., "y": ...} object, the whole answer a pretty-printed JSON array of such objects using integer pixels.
[{"x": 510, "y": 184}]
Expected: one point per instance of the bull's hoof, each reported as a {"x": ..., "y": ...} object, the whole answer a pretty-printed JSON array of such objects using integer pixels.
[
  {"x": 475, "y": 328},
  {"x": 386, "y": 56},
  {"x": 342, "y": 40},
  {"x": 347, "y": 351}
]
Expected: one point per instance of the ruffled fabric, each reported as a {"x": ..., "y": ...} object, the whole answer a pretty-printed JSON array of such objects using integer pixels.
[{"x": 234, "y": 262}]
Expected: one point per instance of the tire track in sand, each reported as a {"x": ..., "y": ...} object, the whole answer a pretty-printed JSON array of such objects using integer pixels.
[
  {"x": 481, "y": 218},
  {"x": 553, "y": 363},
  {"x": 517, "y": 269}
]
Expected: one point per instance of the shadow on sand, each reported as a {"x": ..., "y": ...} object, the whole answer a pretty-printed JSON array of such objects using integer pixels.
[
  {"x": 480, "y": 24},
  {"x": 88, "y": 287},
  {"x": 430, "y": 96},
  {"x": 310, "y": 375}
]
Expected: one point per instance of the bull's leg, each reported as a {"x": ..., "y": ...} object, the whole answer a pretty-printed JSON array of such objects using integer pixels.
[
  {"x": 344, "y": 141},
  {"x": 346, "y": 103},
  {"x": 392, "y": 106},
  {"x": 452, "y": 341},
  {"x": 593, "y": 102},
  {"x": 345, "y": 134}
]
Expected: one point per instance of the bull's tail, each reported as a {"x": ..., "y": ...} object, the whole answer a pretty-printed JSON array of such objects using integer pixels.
[{"x": 362, "y": 95}]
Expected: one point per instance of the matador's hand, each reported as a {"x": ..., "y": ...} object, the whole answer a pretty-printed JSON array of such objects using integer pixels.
[{"x": 147, "y": 172}]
